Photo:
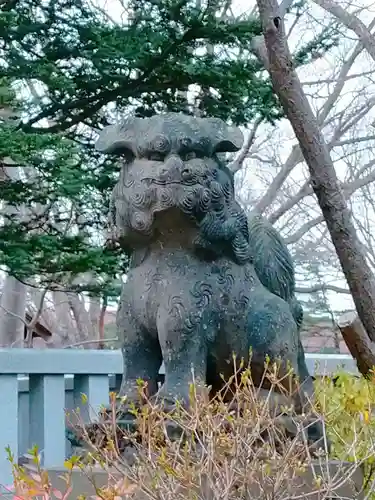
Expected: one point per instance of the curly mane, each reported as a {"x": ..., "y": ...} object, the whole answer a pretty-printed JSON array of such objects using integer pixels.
[{"x": 207, "y": 202}]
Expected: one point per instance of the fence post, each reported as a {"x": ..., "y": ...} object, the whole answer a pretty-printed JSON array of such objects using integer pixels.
[
  {"x": 8, "y": 426},
  {"x": 96, "y": 390},
  {"x": 47, "y": 417}
]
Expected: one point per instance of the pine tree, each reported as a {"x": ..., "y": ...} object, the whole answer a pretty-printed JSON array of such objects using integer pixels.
[{"x": 81, "y": 68}]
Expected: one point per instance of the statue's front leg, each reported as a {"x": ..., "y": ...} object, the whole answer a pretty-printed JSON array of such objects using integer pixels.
[
  {"x": 183, "y": 338},
  {"x": 141, "y": 364},
  {"x": 141, "y": 353},
  {"x": 142, "y": 360}
]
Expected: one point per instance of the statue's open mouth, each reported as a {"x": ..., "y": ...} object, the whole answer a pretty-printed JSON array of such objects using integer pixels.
[{"x": 163, "y": 182}]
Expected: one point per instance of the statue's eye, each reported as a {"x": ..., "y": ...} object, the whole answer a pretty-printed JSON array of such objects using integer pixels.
[
  {"x": 156, "y": 157},
  {"x": 189, "y": 156},
  {"x": 128, "y": 156}
]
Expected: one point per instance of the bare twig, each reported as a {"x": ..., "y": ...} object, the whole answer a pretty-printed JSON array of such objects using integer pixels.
[
  {"x": 236, "y": 165},
  {"x": 94, "y": 341},
  {"x": 295, "y": 157},
  {"x": 351, "y": 22},
  {"x": 322, "y": 287}
]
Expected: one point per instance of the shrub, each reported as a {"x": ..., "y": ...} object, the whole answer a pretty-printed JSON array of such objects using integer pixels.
[
  {"x": 219, "y": 450},
  {"x": 347, "y": 403}
]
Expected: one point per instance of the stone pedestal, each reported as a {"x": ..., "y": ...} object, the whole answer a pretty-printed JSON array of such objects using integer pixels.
[{"x": 350, "y": 488}]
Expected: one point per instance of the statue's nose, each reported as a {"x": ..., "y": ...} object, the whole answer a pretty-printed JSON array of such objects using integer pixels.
[
  {"x": 177, "y": 170},
  {"x": 187, "y": 173},
  {"x": 174, "y": 162}
]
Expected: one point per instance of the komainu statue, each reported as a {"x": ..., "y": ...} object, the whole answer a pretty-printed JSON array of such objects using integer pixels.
[{"x": 204, "y": 282}]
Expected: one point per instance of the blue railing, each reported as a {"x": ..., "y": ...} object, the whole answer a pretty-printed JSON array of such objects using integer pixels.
[{"x": 37, "y": 387}]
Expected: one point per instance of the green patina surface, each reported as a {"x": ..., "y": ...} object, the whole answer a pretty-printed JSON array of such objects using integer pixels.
[{"x": 205, "y": 282}]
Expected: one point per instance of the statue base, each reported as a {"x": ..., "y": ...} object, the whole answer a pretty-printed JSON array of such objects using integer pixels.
[
  {"x": 99, "y": 433},
  {"x": 82, "y": 482}
]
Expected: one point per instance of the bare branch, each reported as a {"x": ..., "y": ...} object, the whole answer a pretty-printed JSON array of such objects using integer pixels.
[
  {"x": 351, "y": 22},
  {"x": 321, "y": 288},
  {"x": 323, "y": 81},
  {"x": 94, "y": 341},
  {"x": 354, "y": 140},
  {"x": 236, "y": 165},
  {"x": 341, "y": 80},
  {"x": 295, "y": 156},
  {"x": 306, "y": 190},
  {"x": 15, "y": 315},
  {"x": 305, "y": 228}
]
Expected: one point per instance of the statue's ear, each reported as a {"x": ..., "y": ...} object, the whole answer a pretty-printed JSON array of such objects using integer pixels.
[
  {"x": 119, "y": 139},
  {"x": 225, "y": 139}
]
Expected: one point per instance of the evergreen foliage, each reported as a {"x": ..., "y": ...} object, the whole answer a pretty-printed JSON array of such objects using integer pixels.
[{"x": 88, "y": 67}]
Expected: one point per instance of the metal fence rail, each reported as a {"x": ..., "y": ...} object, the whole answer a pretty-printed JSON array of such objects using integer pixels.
[{"x": 38, "y": 386}]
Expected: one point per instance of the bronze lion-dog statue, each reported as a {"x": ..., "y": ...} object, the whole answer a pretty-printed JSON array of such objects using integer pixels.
[{"x": 204, "y": 282}]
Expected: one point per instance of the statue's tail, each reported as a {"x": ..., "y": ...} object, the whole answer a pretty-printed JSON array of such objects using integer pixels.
[
  {"x": 273, "y": 263},
  {"x": 271, "y": 258},
  {"x": 297, "y": 311}
]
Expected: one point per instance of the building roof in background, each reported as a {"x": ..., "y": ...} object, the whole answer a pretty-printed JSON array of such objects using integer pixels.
[
  {"x": 322, "y": 335},
  {"x": 40, "y": 330}
]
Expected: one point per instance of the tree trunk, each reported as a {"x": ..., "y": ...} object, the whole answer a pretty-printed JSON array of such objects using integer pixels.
[
  {"x": 12, "y": 313},
  {"x": 65, "y": 326},
  {"x": 359, "y": 345},
  {"x": 14, "y": 296},
  {"x": 322, "y": 172},
  {"x": 102, "y": 322},
  {"x": 94, "y": 314},
  {"x": 81, "y": 317}
]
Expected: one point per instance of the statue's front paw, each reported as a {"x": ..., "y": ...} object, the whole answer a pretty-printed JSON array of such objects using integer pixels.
[
  {"x": 182, "y": 395},
  {"x": 169, "y": 400},
  {"x": 135, "y": 392}
]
